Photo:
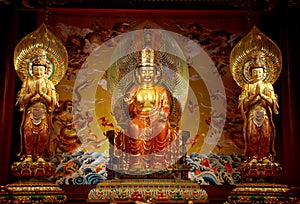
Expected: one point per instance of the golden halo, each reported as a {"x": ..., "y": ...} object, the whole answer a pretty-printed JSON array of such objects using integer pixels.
[
  {"x": 169, "y": 58},
  {"x": 243, "y": 54},
  {"x": 31, "y": 46}
]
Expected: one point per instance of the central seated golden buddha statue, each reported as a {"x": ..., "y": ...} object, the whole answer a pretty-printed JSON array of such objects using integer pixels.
[
  {"x": 149, "y": 138},
  {"x": 149, "y": 141}
]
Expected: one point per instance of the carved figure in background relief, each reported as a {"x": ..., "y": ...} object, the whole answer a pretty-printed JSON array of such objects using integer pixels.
[{"x": 65, "y": 134}]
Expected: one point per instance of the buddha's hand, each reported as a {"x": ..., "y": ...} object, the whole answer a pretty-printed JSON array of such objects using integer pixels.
[
  {"x": 163, "y": 114},
  {"x": 257, "y": 90},
  {"x": 41, "y": 87},
  {"x": 158, "y": 114}
]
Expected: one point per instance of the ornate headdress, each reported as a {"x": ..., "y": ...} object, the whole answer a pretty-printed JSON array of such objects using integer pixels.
[
  {"x": 258, "y": 60},
  {"x": 40, "y": 58},
  {"x": 255, "y": 50},
  {"x": 147, "y": 57}
]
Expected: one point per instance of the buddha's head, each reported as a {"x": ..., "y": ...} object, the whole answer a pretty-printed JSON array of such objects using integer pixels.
[{"x": 148, "y": 68}]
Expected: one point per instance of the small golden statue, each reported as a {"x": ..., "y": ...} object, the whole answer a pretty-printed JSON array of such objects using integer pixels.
[
  {"x": 37, "y": 98},
  {"x": 40, "y": 61},
  {"x": 255, "y": 63},
  {"x": 257, "y": 101}
]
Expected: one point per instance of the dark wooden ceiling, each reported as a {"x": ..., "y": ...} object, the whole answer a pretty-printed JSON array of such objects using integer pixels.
[{"x": 253, "y": 5}]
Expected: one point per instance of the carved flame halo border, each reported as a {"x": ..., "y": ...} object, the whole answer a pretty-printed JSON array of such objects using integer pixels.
[
  {"x": 241, "y": 55},
  {"x": 30, "y": 46}
]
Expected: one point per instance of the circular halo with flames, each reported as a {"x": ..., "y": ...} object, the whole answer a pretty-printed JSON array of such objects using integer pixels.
[
  {"x": 41, "y": 42},
  {"x": 255, "y": 43}
]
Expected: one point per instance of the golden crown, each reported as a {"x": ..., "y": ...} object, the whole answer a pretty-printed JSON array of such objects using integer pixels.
[
  {"x": 258, "y": 60},
  {"x": 40, "y": 58},
  {"x": 147, "y": 57}
]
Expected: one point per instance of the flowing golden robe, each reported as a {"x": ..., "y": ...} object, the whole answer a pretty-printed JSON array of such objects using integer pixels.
[
  {"x": 36, "y": 122},
  {"x": 149, "y": 139},
  {"x": 259, "y": 129}
]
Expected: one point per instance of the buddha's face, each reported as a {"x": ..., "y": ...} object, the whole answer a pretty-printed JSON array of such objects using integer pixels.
[
  {"x": 257, "y": 73},
  {"x": 147, "y": 74},
  {"x": 38, "y": 71}
]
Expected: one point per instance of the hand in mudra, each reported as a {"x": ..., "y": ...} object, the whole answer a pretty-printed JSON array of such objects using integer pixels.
[
  {"x": 35, "y": 92},
  {"x": 258, "y": 90},
  {"x": 41, "y": 87},
  {"x": 158, "y": 114}
]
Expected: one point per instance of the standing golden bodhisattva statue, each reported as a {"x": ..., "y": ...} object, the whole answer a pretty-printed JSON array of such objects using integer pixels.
[
  {"x": 37, "y": 98},
  {"x": 40, "y": 61},
  {"x": 258, "y": 101},
  {"x": 255, "y": 63}
]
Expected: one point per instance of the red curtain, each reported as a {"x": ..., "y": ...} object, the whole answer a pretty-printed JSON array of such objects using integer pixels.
[
  {"x": 290, "y": 98},
  {"x": 7, "y": 82}
]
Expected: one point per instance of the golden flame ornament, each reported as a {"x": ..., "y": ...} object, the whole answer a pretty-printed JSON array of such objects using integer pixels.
[
  {"x": 255, "y": 48},
  {"x": 41, "y": 42}
]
